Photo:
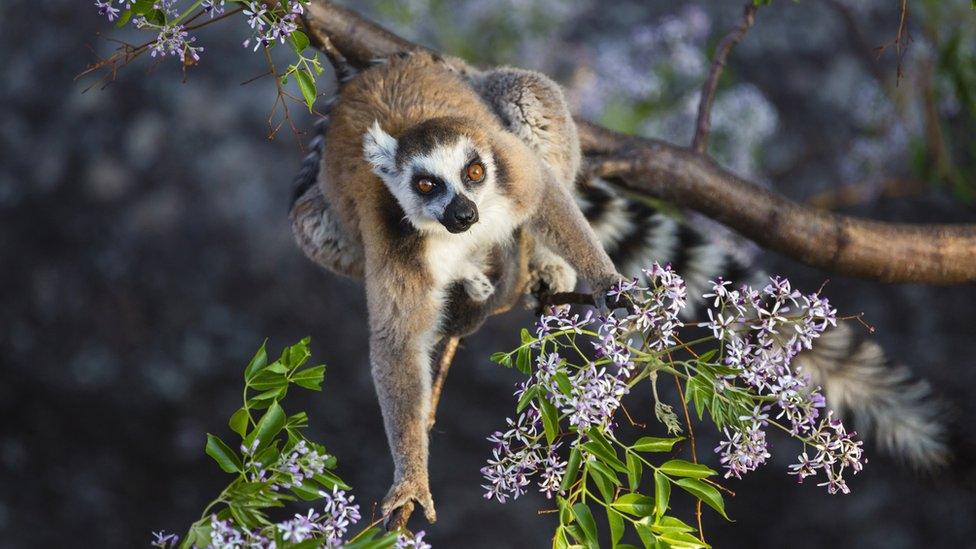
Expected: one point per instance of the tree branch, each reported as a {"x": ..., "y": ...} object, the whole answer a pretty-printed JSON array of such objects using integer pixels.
[
  {"x": 882, "y": 251},
  {"x": 704, "y": 123}
]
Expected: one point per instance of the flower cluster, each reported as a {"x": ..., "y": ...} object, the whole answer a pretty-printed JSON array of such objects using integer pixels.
[
  {"x": 835, "y": 451},
  {"x": 164, "y": 540},
  {"x": 515, "y": 457},
  {"x": 268, "y": 25},
  {"x": 174, "y": 40},
  {"x": 301, "y": 463},
  {"x": 404, "y": 541},
  {"x": 762, "y": 332},
  {"x": 589, "y": 395},
  {"x": 330, "y": 526},
  {"x": 758, "y": 334},
  {"x": 272, "y": 25}
]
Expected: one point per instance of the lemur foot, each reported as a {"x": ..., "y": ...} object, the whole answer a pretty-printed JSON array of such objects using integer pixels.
[
  {"x": 406, "y": 491},
  {"x": 478, "y": 287}
]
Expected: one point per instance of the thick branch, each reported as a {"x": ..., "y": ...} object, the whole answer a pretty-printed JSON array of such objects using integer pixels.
[
  {"x": 883, "y": 251},
  {"x": 846, "y": 245},
  {"x": 704, "y": 123}
]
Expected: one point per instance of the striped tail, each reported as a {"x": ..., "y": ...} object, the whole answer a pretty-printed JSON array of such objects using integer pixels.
[{"x": 883, "y": 398}]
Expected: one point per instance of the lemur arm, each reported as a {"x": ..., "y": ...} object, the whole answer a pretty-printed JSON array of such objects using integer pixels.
[{"x": 560, "y": 225}]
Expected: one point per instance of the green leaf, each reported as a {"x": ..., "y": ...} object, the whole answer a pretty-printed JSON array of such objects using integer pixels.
[
  {"x": 634, "y": 504},
  {"x": 572, "y": 469},
  {"x": 666, "y": 524},
  {"x": 655, "y": 444},
  {"x": 268, "y": 426},
  {"x": 565, "y": 386},
  {"x": 306, "y": 83},
  {"x": 330, "y": 481},
  {"x": 297, "y": 421},
  {"x": 681, "y": 540},
  {"x": 526, "y": 398},
  {"x": 704, "y": 492},
  {"x": 604, "y": 479},
  {"x": 550, "y": 419},
  {"x": 268, "y": 379},
  {"x": 221, "y": 453},
  {"x": 634, "y": 471},
  {"x": 607, "y": 472},
  {"x": 523, "y": 360},
  {"x": 505, "y": 359},
  {"x": 239, "y": 421},
  {"x": 644, "y": 532},
  {"x": 257, "y": 363},
  {"x": 126, "y": 15},
  {"x": 585, "y": 519},
  {"x": 600, "y": 446},
  {"x": 299, "y": 41},
  {"x": 616, "y": 522},
  {"x": 565, "y": 513},
  {"x": 662, "y": 494},
  {"x": 310, "y": 378},
  {"x": 682, "y": 468}
]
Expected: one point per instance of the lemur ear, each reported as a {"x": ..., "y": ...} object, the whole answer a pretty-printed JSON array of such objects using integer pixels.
[{"x": 379, "y": 148}]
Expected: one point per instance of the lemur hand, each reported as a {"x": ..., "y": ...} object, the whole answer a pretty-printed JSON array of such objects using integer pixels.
[
  {"x": 411, "y": 488},
  {"x": 478, "y": 287},
  {"x": 600, "y": 287}
]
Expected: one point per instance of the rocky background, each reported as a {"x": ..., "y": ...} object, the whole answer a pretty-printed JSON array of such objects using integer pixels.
[{"x": 145, "y": 253}]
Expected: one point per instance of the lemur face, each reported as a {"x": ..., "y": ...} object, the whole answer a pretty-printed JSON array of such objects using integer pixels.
[{"x": 439, "y": 175}]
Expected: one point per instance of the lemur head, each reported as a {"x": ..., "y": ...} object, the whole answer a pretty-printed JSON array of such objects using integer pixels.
[{"x": 440, "y": 171}]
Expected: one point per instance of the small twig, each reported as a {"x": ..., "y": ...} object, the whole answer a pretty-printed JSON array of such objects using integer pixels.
[
  {"x": 901, "y": 41},
  {"x": 691, "y": 440},
  {"x": 704, "y": 123},
  {"x": 447, "y": 357}
]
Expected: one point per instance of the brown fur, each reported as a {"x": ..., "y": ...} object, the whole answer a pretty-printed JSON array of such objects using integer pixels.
[{"x": 416, "y": 99}]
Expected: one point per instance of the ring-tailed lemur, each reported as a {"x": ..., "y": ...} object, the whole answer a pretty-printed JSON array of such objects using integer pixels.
[
  {"x": 429, "y": 190},
  {"x": 852, "y": 370}
]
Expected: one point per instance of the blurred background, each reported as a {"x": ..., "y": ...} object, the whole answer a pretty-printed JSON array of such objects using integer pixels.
[{"x": 145, "y": 253}]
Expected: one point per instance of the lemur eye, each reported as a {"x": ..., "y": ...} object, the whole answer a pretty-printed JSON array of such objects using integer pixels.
[
  {"x": 425, "y": 185},
  {"x": 476, "y": 171}
]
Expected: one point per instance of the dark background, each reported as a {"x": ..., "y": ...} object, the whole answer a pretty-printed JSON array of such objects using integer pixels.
[{"x": 145, "y": 253}]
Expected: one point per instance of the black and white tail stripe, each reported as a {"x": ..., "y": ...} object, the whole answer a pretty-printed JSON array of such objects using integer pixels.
[
  {"x": 882, "y": 397},
  {"x": 635, "y": 233}
]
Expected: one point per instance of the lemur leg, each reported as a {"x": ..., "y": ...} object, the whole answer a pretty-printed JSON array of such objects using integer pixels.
[
  {"x": 314, "y": 225},
  {"x": 403, "y": 317}
]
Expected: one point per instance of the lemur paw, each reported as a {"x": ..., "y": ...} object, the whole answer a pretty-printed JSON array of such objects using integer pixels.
[
  {"x": 599, "y": 290},
  {"x": 553, "y": 276},
  {"x": 405, "y": 492},
  {"x": 478, "y": 287}
]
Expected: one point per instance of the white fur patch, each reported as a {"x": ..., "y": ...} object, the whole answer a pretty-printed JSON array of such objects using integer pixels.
[{"x": 379, "y": 149}]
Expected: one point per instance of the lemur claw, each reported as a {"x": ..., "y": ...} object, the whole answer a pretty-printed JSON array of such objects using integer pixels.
[{"x": 405, "y": 492}]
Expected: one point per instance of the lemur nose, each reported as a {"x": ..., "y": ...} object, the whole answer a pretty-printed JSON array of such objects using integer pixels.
[{"x": 466, "y": 215}]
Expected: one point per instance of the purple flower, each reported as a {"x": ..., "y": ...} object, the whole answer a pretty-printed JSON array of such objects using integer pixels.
[
  {"x": 163, "y": 540},
  {"x": 106, "y": 8}
]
